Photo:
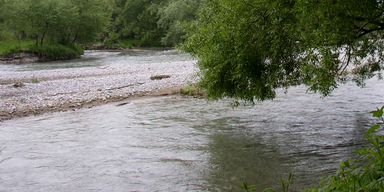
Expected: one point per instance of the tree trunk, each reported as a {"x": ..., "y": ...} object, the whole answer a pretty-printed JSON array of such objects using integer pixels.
[
  {"x": 74, "y": 40},
  {"x": 42, "y": 38},
  {"x": 37, "y": 40}
]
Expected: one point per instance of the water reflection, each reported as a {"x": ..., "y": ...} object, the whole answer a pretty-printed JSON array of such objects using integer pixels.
[{"x": 236, "y": 157}]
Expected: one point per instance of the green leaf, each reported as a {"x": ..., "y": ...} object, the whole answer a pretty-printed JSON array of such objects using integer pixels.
[
  {"x": 378, "y": 113},
  {"x": 356, "y": 171},
  {"x": 246, "y": 187},
  {"x": 369, "y": 176},
  {"x": 372, "y": 129}
]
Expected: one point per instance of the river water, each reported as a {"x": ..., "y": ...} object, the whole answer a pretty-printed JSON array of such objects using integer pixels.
[
  {"x": 98, "y": 58},
  {"x": 182, "y": 144}
]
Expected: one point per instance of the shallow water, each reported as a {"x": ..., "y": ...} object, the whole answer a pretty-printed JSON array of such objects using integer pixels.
[
  {"x": 176, "y": 144},
  {"x": 98, "y": 58}
]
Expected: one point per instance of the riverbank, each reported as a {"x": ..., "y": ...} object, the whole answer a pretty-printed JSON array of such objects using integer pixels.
[{"x": 36, "y": 92}]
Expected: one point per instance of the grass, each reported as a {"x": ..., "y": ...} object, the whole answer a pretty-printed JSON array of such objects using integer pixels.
[
  {"x": 130, "y": 43},
  {"x": 117, "y": 44},
  {"x": 49, "y": 50},
  {"x": 53, "y": 51},
  {"x": 34, "y": 80},
  {"x": 191, "y": 92},
  {"x": 18, "y": 84},
  {"x": 12, "y": 46}
]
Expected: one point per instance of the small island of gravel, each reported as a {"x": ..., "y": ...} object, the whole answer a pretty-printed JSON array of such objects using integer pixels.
[{"x": 36, "y": 92}]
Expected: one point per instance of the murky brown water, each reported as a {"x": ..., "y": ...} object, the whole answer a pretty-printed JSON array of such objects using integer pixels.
[{"x": 176, "y": 144}]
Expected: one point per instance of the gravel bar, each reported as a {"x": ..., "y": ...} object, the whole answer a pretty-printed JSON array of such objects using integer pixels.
[{"x": 69, "y": 89}]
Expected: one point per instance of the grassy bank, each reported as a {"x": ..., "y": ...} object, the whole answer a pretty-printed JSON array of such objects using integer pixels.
[
  {"x": 46, "y": 52},
  {"x": 53, "y": 51},
  {"x": 12, "y": 46},
  {"x": 57, "y": 52}
]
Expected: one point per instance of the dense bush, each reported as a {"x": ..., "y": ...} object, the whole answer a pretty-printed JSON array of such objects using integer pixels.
[{"x": 57, "y": 52}]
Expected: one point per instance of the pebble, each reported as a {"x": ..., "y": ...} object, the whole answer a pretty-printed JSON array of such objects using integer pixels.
[{"x": 79, "y": 85}]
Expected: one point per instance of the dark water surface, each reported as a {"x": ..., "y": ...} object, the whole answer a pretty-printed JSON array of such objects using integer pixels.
[{"x": 175, "y": 144}]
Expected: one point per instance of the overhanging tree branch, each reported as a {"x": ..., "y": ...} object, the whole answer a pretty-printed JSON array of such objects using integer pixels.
[{"x": 365, "y": 32}]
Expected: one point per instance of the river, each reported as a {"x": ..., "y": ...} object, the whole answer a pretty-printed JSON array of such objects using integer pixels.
[
  {"x": 97, "y": 58},
  {"x": 182, "y": 144}
]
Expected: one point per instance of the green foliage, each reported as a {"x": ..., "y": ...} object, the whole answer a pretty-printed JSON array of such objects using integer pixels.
[
  {"x": 57, "y": 52},
  {"x": 152, "y": 23},
  {"x": 192, "y": 92},
  {"x": 116, "y": 8},
  {"x": 173, "y": 16},
  {"x": 245, "y": 50},
  {"x": 63, "y": 21},
  {"x": 18, "y": 84},
  {"x": 249, "y": 48},
  {"x": 284, "y": 184},
  {"x": 113, "y": 39},
  {"x": 366, "y": 174},
  {"x": 92, "y": 20},
  {"x": 5, "y": 34},
  {"x": 247, "y": 188},
  {"x": 159, "y": 77},
  {"x": 140, "y": 20},
  {"x": 34, "y": 80},
  {"x": 12, "y": 46},
  {"x": 131, "y": 42}
]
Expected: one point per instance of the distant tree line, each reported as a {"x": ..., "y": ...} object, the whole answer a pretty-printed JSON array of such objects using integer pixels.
[
  {"x": 151, "y": 20},
  {"x": 89, "y": 21}
]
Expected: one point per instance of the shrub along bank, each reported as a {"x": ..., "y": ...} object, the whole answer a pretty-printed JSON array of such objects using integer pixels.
[
  {"x": 10, "y": 51},
  {"x": 57, "y": 52}
]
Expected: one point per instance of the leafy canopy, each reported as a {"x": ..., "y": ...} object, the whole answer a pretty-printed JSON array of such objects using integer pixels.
[
  {"x": 249, "y": 48},
  {"x": 63, "y": 21},
  {"x": 155, "y": 19},
  {"x": 172, "y": 17}
]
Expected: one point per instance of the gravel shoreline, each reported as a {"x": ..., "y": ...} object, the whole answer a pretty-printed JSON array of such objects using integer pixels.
[{"x": 70, "y": 89}]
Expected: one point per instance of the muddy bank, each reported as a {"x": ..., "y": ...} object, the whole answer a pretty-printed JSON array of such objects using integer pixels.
[{"x": 19, "y": 58}]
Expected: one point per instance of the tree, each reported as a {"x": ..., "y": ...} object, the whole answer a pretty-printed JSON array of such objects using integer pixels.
[
  {"x": 92, "y": 21},
  {"x": 15, "y": 18},
  {"x": 63, "y": 21},
  {"x": 140, "y": 20},
  {"x": 173, "y": 16},
  {"x": 116, "y": 8},
  {"x": 249, "y": 48}
]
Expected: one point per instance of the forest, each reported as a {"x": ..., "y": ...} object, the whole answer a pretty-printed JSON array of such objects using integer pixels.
[{"x": 48, "y": 25}]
